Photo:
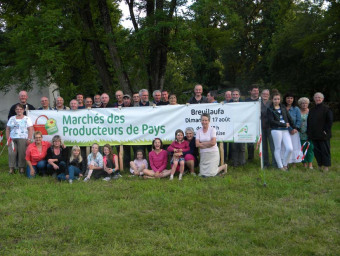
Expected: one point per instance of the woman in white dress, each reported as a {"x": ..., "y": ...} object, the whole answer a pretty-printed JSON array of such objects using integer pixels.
[{"x": 209, "y": 153}]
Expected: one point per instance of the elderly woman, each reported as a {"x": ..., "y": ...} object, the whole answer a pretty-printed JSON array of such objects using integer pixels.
[
  {"x": 19, "y": 129},
  {"x": 35, "y": 156},
  {"x": 209, "y": 154},
  {"x": 319, "y": 127},
  {"x": 191, "y": 157},
  {"x": 294, "y": 112},
  {"x": 56, "y": 157},
  {"x": 308, "y": 160}
]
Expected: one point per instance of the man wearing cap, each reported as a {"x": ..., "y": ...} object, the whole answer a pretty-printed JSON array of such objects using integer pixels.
[{"x": 127, "y": 101}]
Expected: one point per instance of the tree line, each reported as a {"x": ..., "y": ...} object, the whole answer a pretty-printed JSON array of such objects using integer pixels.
[{"x": 80, "y": 45}]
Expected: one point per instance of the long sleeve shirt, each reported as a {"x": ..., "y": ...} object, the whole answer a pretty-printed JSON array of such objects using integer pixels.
[
  {"x": 158, "y": 162},
  {"x": 176, "y": 145}
]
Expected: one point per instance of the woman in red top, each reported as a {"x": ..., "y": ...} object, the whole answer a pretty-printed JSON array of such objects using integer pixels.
[
  {"x": 35, "y": 156},
  {"x": 158, "y": 159}
]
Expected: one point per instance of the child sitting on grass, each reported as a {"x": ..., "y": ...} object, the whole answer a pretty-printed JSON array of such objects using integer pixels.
[
  {"x": 111, "y": 166},
  {"x": 139, "y": 164}
]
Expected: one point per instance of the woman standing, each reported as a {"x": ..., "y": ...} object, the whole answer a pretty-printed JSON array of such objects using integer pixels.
[
  {"x": 280, "y": 121},
  {"x": 308, "y": 160},
  {"x": 172, "y": 99},
  {"x": 158, "y": 159},
  {"x": 19, "y": 129},
  {"x": 35, "y": 156},
  {"x": 56, "y": 157},
  {"x": 191, "y": 156},
  {"x": 209, "y": 153},
  {"x": 294, "y": 112}
]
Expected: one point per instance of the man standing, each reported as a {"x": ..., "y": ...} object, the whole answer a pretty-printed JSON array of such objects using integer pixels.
[
  {"x": 319, "y": 130},
  {"x": 254, "y": 96},
  {"x": 227, "y": 97},
  {"x": 73, "y": 104},
  {"x": 156, "y": 97},
  {"x": 45, "y": 104},
  {"x": 23, "y": 96},
  {"x": 59, "y": 104},
  {"x": 136, "y": 99},
  {"x": 97, "y": 101},
  {"x": 144, "y": 98},
  {"x": 238, "y": 149},
  {"x": 165, "y": 98},
  {"x": 127, "y": 101},
  {"x": 80, "y": 99},
  {"x": 198, "y": 98},
  {"x": 119, "y": 98},
  {"x": 88, "y": 102},
  {"x": 211, "y": 97},
  {"x": 104, "y": 98}
]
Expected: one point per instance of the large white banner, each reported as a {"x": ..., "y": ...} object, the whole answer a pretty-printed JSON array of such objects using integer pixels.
[{"x": 238, "y": 122}]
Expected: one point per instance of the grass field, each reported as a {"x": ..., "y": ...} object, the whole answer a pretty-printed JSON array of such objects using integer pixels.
[{"x": 296, "y": 214}]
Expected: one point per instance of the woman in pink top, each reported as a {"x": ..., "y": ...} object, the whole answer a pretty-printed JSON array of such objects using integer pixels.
[
  {"x": 179, "y": 147},
  {"x": 209, "y": 154},
  {"x": 158, "y": 159},
  {"x": 35, "y": 156}
]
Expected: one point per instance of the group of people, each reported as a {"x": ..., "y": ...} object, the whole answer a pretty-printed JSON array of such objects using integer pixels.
[{"x": 287, "y": 125}]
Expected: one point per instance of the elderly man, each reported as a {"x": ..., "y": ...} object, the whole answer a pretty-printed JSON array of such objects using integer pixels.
[
  {"x": 97, "y": 102},
  {"x": 211, "y": 97},
  {"x": 88, "y": 102},
  {"x": 45, "y": 104},
  {"x": 119, "y": 97},
  {"x": 198, "y": 98},
  {"x": 73, "y": 104},
  {"x": 144, "y": 98},
  {"x": 319, "y": 131},
  {"x": 254, "y": 96},
  {"x": 23, "y": 96},
  {"x": 80, "y": 99},
  {"x": 105, "y": 101},
  {"x": 238, "y": 149},
  {"x": 157, "y": 97},
  {"x": 59, "y": 104}
]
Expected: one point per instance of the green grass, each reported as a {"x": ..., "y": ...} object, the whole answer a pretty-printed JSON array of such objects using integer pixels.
[{"x": 296, "y": 214}]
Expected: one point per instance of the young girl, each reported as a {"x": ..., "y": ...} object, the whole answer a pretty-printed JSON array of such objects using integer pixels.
[
  {"x": 139, "y": 164},
  {"x": 280, "y": 121},
  {"x": 158, "y": 159},
  {"x": 179, "y": 147},
  {"x": 76, "y": 166},
  {"x": 95, "y": 164},
  {"x": 111, "y": 166}
]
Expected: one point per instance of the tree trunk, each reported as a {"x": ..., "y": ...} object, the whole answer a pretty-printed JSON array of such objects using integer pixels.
[
  {"x": 123, "y": 78},
  {"x": 97, "y": 53}
]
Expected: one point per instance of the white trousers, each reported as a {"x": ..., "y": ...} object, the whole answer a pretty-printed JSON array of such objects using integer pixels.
[{"x": 282, "y": 136}]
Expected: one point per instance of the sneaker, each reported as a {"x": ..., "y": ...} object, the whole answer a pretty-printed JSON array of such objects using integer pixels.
[
  {"x": 107, "y": 179},
  {"x": 117, "y": 176},
  {"x": 70, "y": 181},
  {"x": 180, "y": 177},
  {"x": 86, "y": 179},
  {"x": 171, "y": 177}
]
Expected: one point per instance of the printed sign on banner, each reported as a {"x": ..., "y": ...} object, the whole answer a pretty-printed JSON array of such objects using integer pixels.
[{"x": 139, "y": 126}]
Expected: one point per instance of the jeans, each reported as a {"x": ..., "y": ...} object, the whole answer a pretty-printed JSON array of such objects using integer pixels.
[
  {"x": 72, "y": 170},
  {"x": 62, "y": 168},
  {"x": 40, "y": 168}
]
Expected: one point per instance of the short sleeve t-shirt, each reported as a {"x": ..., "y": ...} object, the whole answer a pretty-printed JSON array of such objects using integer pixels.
[
  {"x": 204, "y": 137},
  {"x": 19, "y": 127}
]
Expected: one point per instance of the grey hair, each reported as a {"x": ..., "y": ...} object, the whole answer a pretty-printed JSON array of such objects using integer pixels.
[
  {"x": 320, "y": 94},
  {"x": 154, "y": 92},
  {"x": 302, "y": 100},
  {"x": 189, "y": 129},
  {"x": 141, "y": 91}
]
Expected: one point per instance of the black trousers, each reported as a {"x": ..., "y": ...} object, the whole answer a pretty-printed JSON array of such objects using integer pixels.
[{"x": 322, "y": 152}]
